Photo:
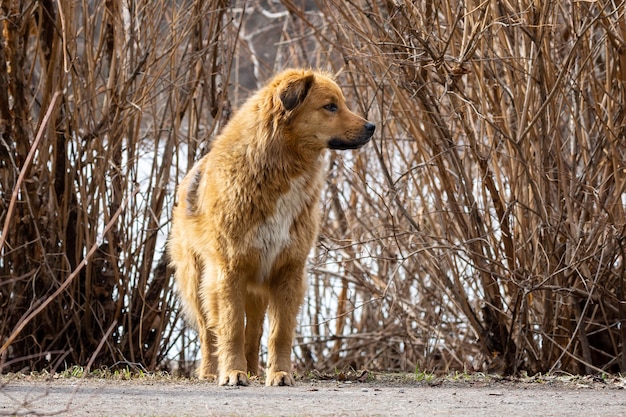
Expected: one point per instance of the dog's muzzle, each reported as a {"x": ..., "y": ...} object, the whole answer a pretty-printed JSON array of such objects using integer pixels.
[{"x": 356, "y": 142}]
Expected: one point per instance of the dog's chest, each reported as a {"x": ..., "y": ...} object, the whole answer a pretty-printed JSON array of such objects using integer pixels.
[{"x": 274, "y": 235}]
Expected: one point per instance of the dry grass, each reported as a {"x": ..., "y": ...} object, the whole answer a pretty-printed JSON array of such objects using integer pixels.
[{"x": 483, "y": 229}]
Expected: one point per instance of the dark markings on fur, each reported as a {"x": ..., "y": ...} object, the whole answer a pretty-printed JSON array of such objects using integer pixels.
[
  {"x": 294, "y": 94},
  {"x": 192, "y": 194}
]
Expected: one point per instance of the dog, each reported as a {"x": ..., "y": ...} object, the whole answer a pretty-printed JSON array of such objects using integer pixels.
[{"x": 247, "y": 217}]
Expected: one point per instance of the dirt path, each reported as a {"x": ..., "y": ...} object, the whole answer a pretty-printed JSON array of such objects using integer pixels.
[{"x": 105, "y": 397}]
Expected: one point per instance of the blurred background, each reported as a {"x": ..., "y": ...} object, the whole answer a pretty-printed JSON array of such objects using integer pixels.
[{"x": 483, "y": 229}]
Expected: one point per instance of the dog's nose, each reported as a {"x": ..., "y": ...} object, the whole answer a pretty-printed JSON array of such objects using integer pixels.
[{"x": 370, "y": 127}]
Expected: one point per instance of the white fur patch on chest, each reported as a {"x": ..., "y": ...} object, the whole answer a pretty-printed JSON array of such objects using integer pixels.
[{"x": 273, "y": 236}]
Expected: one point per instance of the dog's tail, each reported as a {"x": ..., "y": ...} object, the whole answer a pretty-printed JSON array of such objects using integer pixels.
[{"x": 187, "y": 272}]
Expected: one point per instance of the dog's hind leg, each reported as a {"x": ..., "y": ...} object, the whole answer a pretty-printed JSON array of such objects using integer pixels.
[
  {"x": 208, "y": 362},
  {"x": 208, "y": 339},
  {"x": 187, "y": 270},
  {"x": 256, "y": 305},
  {"x": 230, "y": 294},
  {"x": 206, "y": 304},
  {"x": 286, "y": 295}
]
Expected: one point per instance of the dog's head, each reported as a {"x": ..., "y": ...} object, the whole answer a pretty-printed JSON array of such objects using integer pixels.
[{"x": 316, "y": 114}]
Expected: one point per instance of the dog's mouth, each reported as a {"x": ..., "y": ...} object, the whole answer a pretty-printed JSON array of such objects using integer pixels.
[
  {"x": 355, "y": 143},
  {"x": 342, "y": 144}
]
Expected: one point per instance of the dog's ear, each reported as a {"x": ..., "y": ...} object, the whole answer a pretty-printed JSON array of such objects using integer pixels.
[{"x": 295, "y": 92}]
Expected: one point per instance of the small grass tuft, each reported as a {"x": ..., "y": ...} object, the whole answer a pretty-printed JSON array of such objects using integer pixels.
[{"x": 422, "y": 375}]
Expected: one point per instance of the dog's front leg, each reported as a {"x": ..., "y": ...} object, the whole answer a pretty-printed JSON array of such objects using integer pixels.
[
  {"x": 231, "y": 295},
  {"x": 286, "y": 295},
  {"x": 256, "y": 305}
]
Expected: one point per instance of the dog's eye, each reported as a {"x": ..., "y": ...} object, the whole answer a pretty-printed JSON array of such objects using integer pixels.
[{"x": 332, "y": 107}]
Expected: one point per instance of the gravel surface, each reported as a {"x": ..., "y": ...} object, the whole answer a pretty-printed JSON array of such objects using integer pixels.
[{"x": 380, "y": 396}]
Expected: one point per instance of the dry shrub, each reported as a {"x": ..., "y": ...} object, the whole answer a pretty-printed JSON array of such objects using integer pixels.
[
  {"x": 483, "y": 228},
  {"x": 84, "y": 207}
]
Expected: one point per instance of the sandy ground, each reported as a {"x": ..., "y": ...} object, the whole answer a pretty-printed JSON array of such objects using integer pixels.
[{"x": 573, "y": 396}]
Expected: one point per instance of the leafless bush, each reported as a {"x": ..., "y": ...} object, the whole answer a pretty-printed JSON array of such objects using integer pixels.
[
  {"x": 124, "y": 85},
  {"x": 483, "y": 228}
]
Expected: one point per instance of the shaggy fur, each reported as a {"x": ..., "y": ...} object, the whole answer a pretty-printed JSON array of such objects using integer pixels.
[{"x": 247, "y": 217}]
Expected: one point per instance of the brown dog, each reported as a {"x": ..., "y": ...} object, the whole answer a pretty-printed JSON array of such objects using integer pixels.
[{"x": 247, "y": 217}]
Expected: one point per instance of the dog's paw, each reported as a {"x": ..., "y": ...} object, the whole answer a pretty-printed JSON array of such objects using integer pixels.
[
  {"x": 280, "y": 378},
  {"x": 208, "y": 377},
  {"x": 234, "y": 377}
]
